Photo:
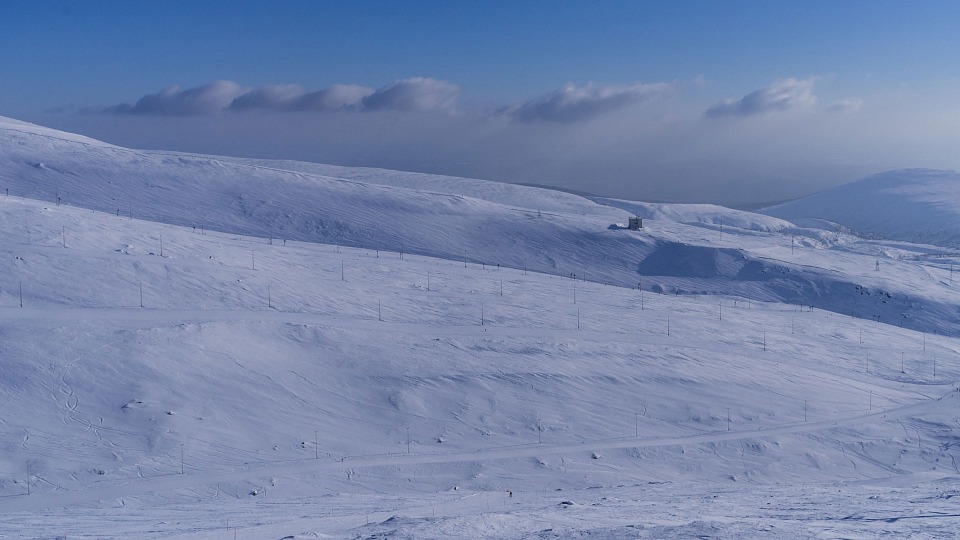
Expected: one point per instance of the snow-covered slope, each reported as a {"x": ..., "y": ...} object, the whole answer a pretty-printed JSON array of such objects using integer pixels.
[
  {"x": 165, "y": 382},
  {"x": 717, "y": 250},
  {"x": 693, "y": 214},
  {"x": 914, "y": 205},
  {"x": 288, "y": 350},
  {"x": 484, "y": 221},
  {"x": 507, "y": 194}
]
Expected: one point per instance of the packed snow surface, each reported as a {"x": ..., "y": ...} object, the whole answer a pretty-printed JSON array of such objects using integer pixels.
[{"x": 287, "y": 353}]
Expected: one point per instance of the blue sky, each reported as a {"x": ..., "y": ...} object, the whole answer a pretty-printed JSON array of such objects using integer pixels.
[{"x": 709, "y": 101}]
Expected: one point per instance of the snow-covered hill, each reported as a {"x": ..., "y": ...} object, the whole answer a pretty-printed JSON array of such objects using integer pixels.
[
  {"x": 913, "y": 205},
  {"x": 376, "y": 209},
  {"x": 722, "y": 250},
  {"x": 299, "y": 389},
  {"x": 294, "y": 351}
]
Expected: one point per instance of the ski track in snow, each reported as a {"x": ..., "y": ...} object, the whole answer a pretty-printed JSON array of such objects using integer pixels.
[{"x": 260, "y": 470}]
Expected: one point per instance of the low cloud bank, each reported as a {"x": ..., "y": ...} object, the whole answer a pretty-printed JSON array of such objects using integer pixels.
[
  {"x": 653, "y": 141},
  {"x": 782, "y": 95},
  {"x": 175, "y": 101},
  {"x": 573, "y": 103},
  {"x": 414, "y": 94}
]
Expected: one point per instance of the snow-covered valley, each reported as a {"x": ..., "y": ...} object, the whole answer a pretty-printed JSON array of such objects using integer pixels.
[{"x": 198, "y": 347}]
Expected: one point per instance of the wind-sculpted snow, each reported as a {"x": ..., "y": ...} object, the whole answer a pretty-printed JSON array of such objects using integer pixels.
[
  {"x": 700, "y": 270},
  {"x": 683, "y": 260}
]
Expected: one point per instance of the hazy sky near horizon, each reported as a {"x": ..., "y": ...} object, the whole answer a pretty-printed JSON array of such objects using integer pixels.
[{"x": 706, "y": 101}]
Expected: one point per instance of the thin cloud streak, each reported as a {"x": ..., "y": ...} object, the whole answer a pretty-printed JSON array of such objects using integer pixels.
[
  {"x": 293, "y": 97},
  {"x": 845, "y": 105},
  {"x": 782, "y": 95},
  {"x": 572, "y": 103},
  {"x": 413, "y": 94}
]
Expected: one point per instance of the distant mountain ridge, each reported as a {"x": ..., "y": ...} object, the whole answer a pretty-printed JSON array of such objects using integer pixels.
[{"x": 913, "y": 205}]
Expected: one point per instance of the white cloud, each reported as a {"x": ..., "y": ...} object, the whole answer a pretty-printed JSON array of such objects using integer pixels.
[
  {"x": 573, "y": 103},
  {"x": 293, "y": 97},
  {"x": 846, "y": 105},
  {"x": 274, "y": 97},
  {"x": 782, "y": 95},
  {"x": 414, "y": 94},
  {"x": 174, "y": 101},
  {"x": 338, "y": 96},
  {"x": 630, "y": 141}
]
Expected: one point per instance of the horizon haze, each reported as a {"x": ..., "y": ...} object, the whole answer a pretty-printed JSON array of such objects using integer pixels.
[{"x": 737, "y": 103}]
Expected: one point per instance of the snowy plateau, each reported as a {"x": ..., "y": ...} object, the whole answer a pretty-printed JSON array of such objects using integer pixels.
[{"x": 207, "y": 347}]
